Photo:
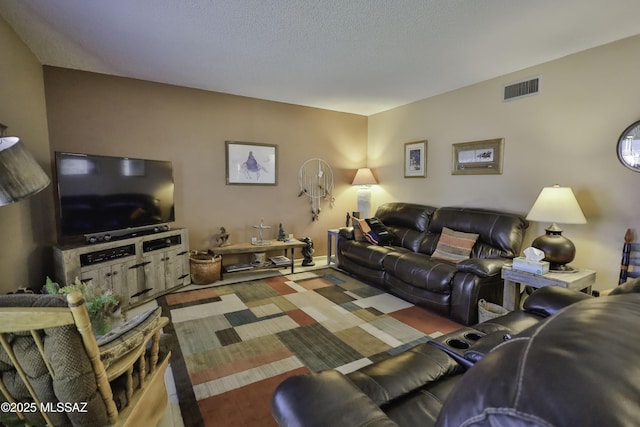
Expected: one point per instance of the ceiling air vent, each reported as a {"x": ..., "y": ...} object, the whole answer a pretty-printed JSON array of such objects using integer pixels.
[{"x": 522, "y": 89}]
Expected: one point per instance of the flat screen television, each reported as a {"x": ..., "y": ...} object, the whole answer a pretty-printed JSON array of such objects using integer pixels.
[{"x": 105, "y": 194}]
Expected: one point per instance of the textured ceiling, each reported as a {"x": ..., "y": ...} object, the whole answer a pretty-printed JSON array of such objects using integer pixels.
[{"x": 358, "y": 56}]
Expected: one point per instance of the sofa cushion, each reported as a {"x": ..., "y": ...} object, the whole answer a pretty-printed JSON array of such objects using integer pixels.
[
  {"x": 500, "y": 233},
  {"x": 434, "y": 301},
  {"x": 402, "y": 373},
  {"x": 365, "y": 254},
  {"x": 407, "y": 237},
  {"x": 334, "y": 400},
  {"x": 422, "y": 406},
  {"x": 421, "y": 271},
  {"x": 407, "y": 215},
  {"x": 407, "y": 221},
  {"x": 454, "y": 246}
]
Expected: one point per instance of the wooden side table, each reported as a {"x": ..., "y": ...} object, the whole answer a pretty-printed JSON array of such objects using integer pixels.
[
  {"x": 332, "y": 245},
  {"x": 248, "y": 248},
  {"x": 580, "y": 280}
]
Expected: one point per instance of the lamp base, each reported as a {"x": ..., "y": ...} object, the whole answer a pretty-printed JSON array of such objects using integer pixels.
[
  {"x": 562, "y": 268},
  {"x": 364, "y": 201},
  {"x": 558, "y": 250}
]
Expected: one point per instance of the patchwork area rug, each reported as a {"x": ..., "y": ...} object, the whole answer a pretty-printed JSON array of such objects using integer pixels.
[{"x": 238, "y": 342}]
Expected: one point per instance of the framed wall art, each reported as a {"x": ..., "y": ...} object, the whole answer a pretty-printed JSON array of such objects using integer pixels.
[
  {"x": 478, "y": 157},
  {"x": 415, "y": 159},
  {"x": 250, "y": 163}
]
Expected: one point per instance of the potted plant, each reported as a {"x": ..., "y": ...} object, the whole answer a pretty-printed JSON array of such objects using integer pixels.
[{"x": 102, "y": 304}]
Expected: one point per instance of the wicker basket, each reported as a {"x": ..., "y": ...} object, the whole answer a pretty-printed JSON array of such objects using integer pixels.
[
  {"x": 205, "y": 268},
  {"x": 488, "y": 310}
]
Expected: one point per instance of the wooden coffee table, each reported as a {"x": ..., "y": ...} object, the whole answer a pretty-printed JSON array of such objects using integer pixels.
[{"x": 249, "y": 248}]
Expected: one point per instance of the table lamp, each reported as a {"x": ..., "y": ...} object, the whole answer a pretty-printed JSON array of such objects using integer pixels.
[
  {"x": 20, "y": 175},
  {"x": 364, "y": 178},
  {"x": 556, "y": 205}
]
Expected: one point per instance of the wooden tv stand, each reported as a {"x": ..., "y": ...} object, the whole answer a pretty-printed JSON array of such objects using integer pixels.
[{"x": 137, "y": 268}]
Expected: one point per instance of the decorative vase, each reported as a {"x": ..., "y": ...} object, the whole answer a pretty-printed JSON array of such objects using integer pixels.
[{"x": 101, "y": 325}]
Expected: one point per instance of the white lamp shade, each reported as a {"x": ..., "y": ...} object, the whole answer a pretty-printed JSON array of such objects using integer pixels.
[
  {"x": 557, "y": 205},
  {"x": 20, "y": 175},
  {"x": 364, "y": 176}
]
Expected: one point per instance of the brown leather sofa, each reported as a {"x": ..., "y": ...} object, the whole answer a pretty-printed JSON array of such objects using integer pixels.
[
  {"x": 405, "y": 267},
  {"x": 567, "y": 359}
]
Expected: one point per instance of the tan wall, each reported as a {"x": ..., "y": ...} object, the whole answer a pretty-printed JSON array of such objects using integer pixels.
[
  {"x": 99, "y": 114},
  {"x": 565, "y": 135},
  {"x": 26, "y": 227}
]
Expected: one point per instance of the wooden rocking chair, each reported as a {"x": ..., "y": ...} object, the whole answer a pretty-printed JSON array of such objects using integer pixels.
[{"x": 51, "y": 370}]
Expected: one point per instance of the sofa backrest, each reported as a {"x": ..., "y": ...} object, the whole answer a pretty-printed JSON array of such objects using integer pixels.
[
  {"x": 407, "y": 221},
  {"x": 500, "y": 233}
]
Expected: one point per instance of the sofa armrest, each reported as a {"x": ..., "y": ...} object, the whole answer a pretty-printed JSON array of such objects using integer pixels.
[
  {"x": 346, "y": 233},
  {"x": 549, "y": 300},
  {"x": 629, "y": 287},
  {"x": 483, "y": 267},
  {"x": 325, "y": 399}
]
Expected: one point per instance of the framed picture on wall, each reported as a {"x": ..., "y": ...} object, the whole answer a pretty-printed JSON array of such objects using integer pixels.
[
  {"x": 415, "y": 159},
  {"x": 478, "y": 157},
  {"x": 251, "y": 163}
]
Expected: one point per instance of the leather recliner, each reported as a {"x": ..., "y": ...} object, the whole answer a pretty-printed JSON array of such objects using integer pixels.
[{"x": 567, "y": 359}]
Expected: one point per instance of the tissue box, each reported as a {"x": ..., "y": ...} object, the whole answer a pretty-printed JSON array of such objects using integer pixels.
[{"x": 535, "y": 267}]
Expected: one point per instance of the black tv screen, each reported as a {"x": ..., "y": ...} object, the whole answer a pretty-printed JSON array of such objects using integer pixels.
[{"x": 103, "y": 193}]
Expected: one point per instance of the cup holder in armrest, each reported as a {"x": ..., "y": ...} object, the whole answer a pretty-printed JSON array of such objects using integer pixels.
[
  {"x": 473, "y": 336},
  {"x": 490, "y": 341},
  {"x": 468, "y": 346},
  {"x": 457, "y": 343}
]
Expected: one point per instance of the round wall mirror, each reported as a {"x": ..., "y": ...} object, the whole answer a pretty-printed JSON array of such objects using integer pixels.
[{"x": 629, "y": 147}]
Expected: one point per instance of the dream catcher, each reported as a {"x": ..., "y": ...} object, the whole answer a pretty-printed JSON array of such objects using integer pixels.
[{"x": 316, "y": 182}]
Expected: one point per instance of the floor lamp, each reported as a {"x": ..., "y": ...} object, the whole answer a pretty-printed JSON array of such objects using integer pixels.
[{"x": 364, "y": 178}]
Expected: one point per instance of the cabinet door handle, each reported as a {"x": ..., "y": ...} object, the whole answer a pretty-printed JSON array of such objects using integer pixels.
[
  {"x": 183, "y": 276},
  {"x": 142, "y": 292},
  {"x": 183, "y": 253},
  {"x": 142, "y": 264}
]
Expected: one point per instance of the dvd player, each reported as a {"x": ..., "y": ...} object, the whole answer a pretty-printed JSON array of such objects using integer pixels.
[
  {"x": 165, "y": 242},
  {"x": 105, "y": 255}
]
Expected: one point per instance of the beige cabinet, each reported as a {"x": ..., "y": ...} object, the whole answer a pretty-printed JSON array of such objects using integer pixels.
[
  {"x": 117, "y": 276},
  {"x": 176, "y": 268},
  {"x": 137, "y": 268}
]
